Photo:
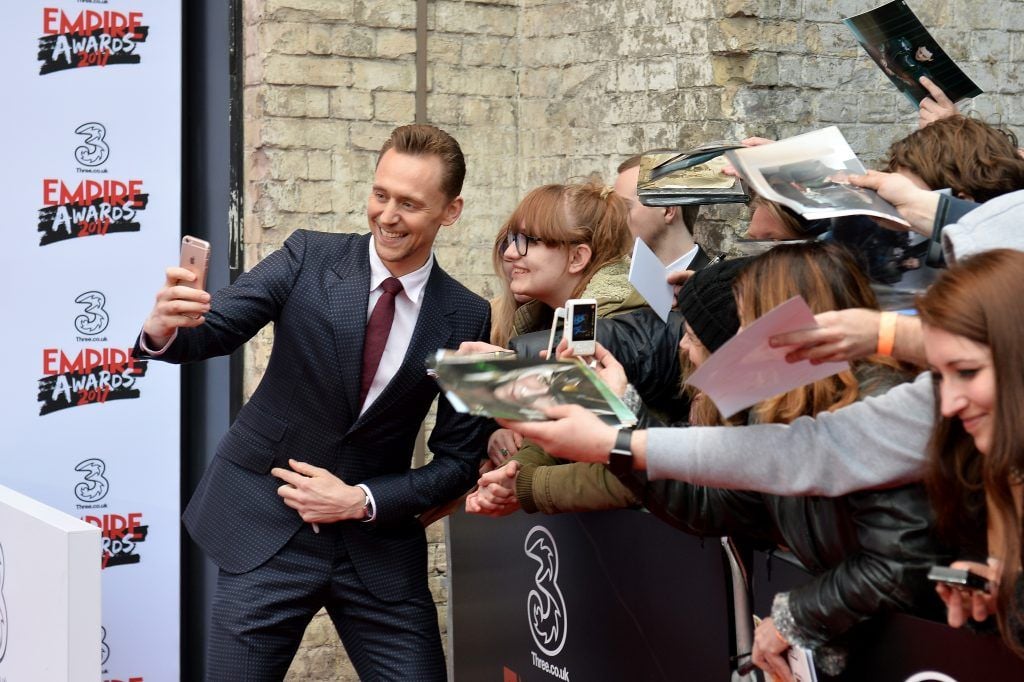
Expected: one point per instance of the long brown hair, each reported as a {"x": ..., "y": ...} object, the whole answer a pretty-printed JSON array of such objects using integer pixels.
[
  {"x": 828, "y": 278},
  {"x": 979, "y": 299},
  {"x": 503, "y": 307},
  {"x": 587, "y": 213},
  {"x": 970, "y": 157}
]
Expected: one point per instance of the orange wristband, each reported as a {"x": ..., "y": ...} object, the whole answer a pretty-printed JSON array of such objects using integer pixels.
[{"x": 886, "y": 333}]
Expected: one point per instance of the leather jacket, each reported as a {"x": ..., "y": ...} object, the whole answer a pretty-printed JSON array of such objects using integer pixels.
[{"x": 869, "y": 551}]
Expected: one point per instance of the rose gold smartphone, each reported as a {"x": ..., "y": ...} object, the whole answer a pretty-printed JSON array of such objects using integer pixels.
[{"x": 195, "y": 257}]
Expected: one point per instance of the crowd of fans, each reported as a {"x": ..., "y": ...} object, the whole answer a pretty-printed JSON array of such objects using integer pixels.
[{"x": 911, "y": 458}]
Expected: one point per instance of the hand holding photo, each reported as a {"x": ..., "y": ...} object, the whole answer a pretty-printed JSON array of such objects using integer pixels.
[
  {"x": 901, "y": 46},
  {"x": 522, "y": 389},
  {"x": 747, "y": 370},
  {"x": 810, "y": 174}
]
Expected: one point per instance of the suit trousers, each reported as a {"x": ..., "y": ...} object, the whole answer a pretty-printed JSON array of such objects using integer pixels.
[{"x": 259, "y": 617}]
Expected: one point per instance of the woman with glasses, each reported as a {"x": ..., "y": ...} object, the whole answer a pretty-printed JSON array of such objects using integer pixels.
[
  {"x": 561, "y": 242},
  {"x": 568, "y": 241}
]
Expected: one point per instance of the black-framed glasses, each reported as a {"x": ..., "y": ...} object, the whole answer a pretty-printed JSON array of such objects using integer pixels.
[{"x": 521, "y": 240}]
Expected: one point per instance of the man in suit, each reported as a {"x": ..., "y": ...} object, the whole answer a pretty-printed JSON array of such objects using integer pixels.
[
  {"x": 310, "y": 500},
  {"x": 667, "y": 230}
]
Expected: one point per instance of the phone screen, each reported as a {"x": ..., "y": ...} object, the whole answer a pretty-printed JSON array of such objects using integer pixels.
[{"x": 583, "y": 322}]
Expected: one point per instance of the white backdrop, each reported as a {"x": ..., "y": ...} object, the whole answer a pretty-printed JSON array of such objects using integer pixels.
[{"x": 91, "y": 190}]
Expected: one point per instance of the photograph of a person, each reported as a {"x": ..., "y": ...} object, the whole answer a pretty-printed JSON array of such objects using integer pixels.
[
  {"x": 815, "y": 184},
  {"x": 516, "y": 389},
  {"x": 905, "y": 51}
]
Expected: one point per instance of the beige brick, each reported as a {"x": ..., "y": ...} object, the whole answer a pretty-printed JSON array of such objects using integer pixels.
[
  {"x": 370, "y": 136},
  {"x": 444, "y": 110},
  {"x": 492, "y": 51},
  {"x": 292, "y": 70},
  {"x": 352, "y": 41},
  {"x": 443, "y": 49},
  {"x": 319, "y": 164},
  {"x": 351, "y": 104},
  {"x": 386, "y": 14},
  {"x": 284, "y": 38},
  {"x": 308, "y": 10},
  {"x": 473, "y": 80},
  {"x": 285, "y": 164},
  {"x": 465, "y": 17},
  {"x": 392, "y": 44},
  {"x": 394, "y": 107},
  {"x": 385, "y": 75}
]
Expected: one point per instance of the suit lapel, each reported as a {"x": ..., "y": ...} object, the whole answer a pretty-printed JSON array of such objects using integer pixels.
[
  {"x": 348, "y": 298},
  {"x": 699, "y": 260},
  {"x": 432, "y": 331}
]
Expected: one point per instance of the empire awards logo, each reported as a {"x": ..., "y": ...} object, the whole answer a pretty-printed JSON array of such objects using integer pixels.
[
  {"x": 120, "y": 536},
  {"x": 3, "y": 607},
  {"x": 89, "y": 38},
  {"x": 545, "y": 605},
  {"x": 95, "y": 374}
]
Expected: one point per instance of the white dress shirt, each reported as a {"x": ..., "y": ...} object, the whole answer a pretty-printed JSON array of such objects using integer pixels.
[{"x": 407, "y": 310}]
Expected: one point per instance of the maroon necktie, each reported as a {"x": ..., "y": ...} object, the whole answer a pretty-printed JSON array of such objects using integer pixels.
[{"x": 377, "y": 331}]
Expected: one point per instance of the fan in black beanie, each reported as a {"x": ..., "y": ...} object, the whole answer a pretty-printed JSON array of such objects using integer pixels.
[{"x": 707, "y": 303}]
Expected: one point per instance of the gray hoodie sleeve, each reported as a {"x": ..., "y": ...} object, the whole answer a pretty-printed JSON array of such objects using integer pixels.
[
  {"x": 876, "y": 442},
  {"x": 993, "y": 225}
]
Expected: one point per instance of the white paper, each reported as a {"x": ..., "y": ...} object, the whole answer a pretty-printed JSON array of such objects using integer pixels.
[
  {"x": 801, "y": 663},
  {"x": 746, "y": 370},
  {"x": 647, "y": 274}
]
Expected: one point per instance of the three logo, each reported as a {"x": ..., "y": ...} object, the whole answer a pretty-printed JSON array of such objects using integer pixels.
[
  {"x": 545, "y": 605},
  {"x": 95, "y": 487},
  {"x": 94, "y": 318},
  {"x": 94, "y": 150}
]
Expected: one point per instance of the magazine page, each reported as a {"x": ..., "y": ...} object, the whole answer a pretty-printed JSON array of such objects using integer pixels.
[
  {"x": 702, "y": 183},
  {"x": 809, "y": 174},
  {"x": 901, "y": 46},
  {"x": 692, "y": 157},
  {"x": 519, "y": 388}
]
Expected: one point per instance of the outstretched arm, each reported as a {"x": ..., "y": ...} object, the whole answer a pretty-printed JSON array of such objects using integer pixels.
[{"x": 891, "y": 432}]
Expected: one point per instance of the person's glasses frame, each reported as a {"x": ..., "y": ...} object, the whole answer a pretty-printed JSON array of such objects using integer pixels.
[{"x": 521, "y": 240}]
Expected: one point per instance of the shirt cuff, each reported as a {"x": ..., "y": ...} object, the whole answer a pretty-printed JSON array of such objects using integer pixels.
[
  {"x": 370, "y": 502},
  {"x": 156, "y": 353}
]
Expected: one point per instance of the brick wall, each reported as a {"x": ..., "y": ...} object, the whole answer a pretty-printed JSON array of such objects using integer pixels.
[{"x": 541, "y": 91}]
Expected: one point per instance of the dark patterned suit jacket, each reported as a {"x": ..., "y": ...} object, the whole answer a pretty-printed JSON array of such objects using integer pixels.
[{"x": 315, "y": 290}]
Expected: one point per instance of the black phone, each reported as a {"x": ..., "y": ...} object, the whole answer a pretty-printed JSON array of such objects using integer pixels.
[{"x": 958, "y": 577}]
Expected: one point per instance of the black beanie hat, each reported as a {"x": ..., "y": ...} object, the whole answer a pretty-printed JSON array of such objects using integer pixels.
[{"x": 707, "y": 303}]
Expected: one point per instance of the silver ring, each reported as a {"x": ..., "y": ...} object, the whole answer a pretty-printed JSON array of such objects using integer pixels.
[{"x": 503, "y": 451}]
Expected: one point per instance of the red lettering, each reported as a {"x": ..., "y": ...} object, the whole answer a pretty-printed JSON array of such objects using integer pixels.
[
  {"x": 114, "y": 360},
  {"x": 114, "y": 525},
  {"x": 49, "y": 14},
  {"x": 49, "y": 356},
  {"x": 113, "y": 192},
  {"x": 115, "y": 23}
]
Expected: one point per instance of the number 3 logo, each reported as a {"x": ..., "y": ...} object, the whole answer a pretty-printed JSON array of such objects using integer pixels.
[
  {"x": 94, "y": 151},
  {"x": 95, "y": 319},
  {"x": 95, "y": 486}
]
